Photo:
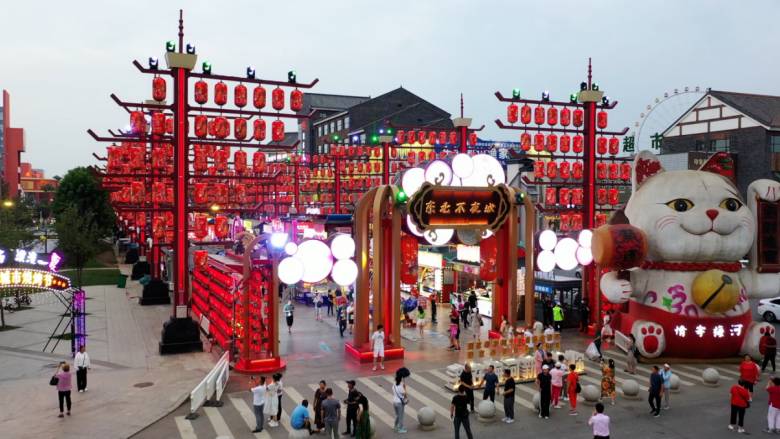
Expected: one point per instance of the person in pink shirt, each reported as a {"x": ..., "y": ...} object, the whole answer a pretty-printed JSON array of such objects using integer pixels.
[
  {"x": 557, "y": 384},
  {"x": 599, "y": 422},
  {"x": 63, "y": 385}
]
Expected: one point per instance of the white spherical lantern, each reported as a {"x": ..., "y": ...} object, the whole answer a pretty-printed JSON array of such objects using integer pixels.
[
  {"x": 585, "y": 238},
  {"x": 462, "y": 165},
  {"x": 438, "y": 172},
  {"x": 412, "y": 227},
  {"x": 344, "y": 272},
  {"x": 290, "y": 270},
  {"x": 547, "y": 240},
  {"x": 584, "y": 256},
  {"x": 290, "y": 248},
  {"x": 545, "y": 262},
  {"x": 486, "y": 169},
  {"x": 278, "y": 240},
  {"x": 412, "y": 180},
  {"x": 566, "y": 254},
  {"x": 342, "y": 247},
  {"x": 316, "y": 258},
  {"x": 437, "y": 237}
]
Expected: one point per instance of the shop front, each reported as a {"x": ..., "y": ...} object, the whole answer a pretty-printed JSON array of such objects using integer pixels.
[{"x": 565, "y": 290}]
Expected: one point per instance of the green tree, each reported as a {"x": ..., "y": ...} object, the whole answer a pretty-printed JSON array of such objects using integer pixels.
[
  {"x": 80, "y": 189},
  {"x": 78, "y": 235},
  {"x": 15, "y": 225}
]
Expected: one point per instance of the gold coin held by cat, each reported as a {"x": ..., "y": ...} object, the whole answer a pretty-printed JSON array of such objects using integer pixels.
[{"x": 716, "y": 291}]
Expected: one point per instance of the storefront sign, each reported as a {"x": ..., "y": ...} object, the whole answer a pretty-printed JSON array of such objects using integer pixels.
[
  {"x": 22, "y": 277},
  {"x": 429, "y": 259},
  {"x": 468, "y": 253},
  {"x": 28, "y": 257},
  {"x": 443, "y": 207}
]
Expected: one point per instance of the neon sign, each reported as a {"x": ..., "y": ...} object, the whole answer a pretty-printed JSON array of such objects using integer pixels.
[
  {"x": 21, "y": 277},
  {"x": 21, "y": 256},
  {"x": 455, "y": 207}
]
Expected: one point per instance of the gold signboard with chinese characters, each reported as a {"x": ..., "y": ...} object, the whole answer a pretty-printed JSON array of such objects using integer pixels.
[
  {"x": 448, "y": 207},
  {"x": 23, "y": 277}
]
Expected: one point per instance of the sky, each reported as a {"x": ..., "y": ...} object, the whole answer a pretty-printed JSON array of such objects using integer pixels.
[{"x": 61, "y": 60}]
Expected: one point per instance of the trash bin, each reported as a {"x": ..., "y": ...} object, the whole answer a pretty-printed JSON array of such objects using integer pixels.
[{"x": 122, "y": 281}]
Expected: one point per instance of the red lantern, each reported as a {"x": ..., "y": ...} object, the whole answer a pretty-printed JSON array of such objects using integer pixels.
[
  {"x": 552, "y": 142},
  {"x": 431, "y": 155},
  {"x": 296, "y": 100},
  {"x": 158, "y": 88},
  {"x": 473, "y": 138},
  {"x": 239, "y": 161},
  {"x": 221, "y": 159},
  {"x": 221, "y": 127},
  {"x": 239, "y": 95},
  {"x": 488, "y": 259},
  {"x": 258, "y": 129},
  {"x": 552, "y": 115},
  {"x": 377, "y": 167},
  {"x": 277, "y": 99},
  {"x": 601, "y": 195},
  {"x": 138, "y": 122},
  {"x": 539, "y": 142},
  {"x": 169, "y": 125},
  {"x": 539, "y": 115},
  {"x": 578, "y": 117},
  {"x": 525, "y": 114},
  {"x": 576, "y": 221},
  {"x": 453, "y": 138},
  {"x": 538, "y": 170},
  {"x": 159, "y": 160},
  {"x": 158, "y": 123},
  {"x": 525, "y": 141},
  {"x": 442, "y": 137},
  {"x": 565, "y": 222},
  {"x": 410, "y": 158},
  {"x": 221, "y": 226},
  {"x": 565, "y": 117},
  {"x": 220, "y": 93},
  {"x": 614, "y": 171},
  {"x": 393, "y": 152},
  {"x": 277, "y": 130},
  {"x": 258, "y": 162},
  {"x": 601, "y": 145},
  {"x": 576, "y": 170},
  {"x": 201, "y": 126},
  {"x": 552, "y": 169},
  {"x": 201, "y": 258},
  {"x": 614, "y": 146},
  {"x": 564, "y": 196},
  {"x": 199, "y": 193},
  {"x": 411, "y": 137},
  {"x": 239, "y": 128},
  {"x": 221, "y": 193},
  {"x": 601, "y": 219},
  {"x": 613, "y": 196},
  {"x": 512, "y": 113},
  {"x": 201, "y": 226},
  {"x": 577, "y": 144},
  {"x": 137, "y": 191},
  {"x": 577, "y": 196},
  {"x": 432, "y": 137},
  {"x": 212, "y": 130},
  {"x": 625, "y": 171},
  {"x": 201, "y": 92},
  {"x": 601, "y": 119},
  {"x": 408, "y": 260},
  {"x": 565, "y": 143},
  {"x": 564, "y": 170},
  {"x": 400, "y": 136},
  {"x": 158, "y": 228},
  {"x": 258, "y": 97},
  {"x": 422, "y": 136},
  {"x": 420, "y": 156},
  {"x": 550, "y": 195},
  {"x": 601, "y": 171}
]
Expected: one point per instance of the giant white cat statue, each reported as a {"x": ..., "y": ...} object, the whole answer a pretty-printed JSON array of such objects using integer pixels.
[{"x": 689, "y": 299}]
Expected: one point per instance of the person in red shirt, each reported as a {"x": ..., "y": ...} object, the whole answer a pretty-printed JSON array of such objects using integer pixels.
[
  {"x": 571, "y": 383},
  {"x": 739, "y": 402},
  {"x": 748, "y": 374},
  {"x": 773, "y": 415}
]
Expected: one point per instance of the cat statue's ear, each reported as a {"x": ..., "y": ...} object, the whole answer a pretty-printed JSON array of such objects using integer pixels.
[{"x": 646, "y": 165}]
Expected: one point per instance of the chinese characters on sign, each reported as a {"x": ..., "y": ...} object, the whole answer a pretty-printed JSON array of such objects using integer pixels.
[
  {"x": 15, "y": 277},
  {"x": 714, "y": 331},
  {"x": 434, "y": 207},
  {"x": 21, "y": 256}
]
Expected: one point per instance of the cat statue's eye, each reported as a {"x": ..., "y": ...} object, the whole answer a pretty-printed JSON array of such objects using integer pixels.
[
  {"x": 680, "y": 204},
  {"x": 731, "y": 204}
]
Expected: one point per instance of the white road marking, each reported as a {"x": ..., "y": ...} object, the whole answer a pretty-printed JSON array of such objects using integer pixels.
[
  {"x": 185, "y": 428},
  {"x": 218, "y": 422},
  {"x": 249, "y": 417}
]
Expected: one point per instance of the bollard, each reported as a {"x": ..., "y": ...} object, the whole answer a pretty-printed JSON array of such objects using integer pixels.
[
  {"x": 591, "y": 394},
  {"x": 486, "y": 411},
  {"x": 630, "y": 389},
  {"x": 426, "y": 418},
  {"x": 710, "y": 377}
]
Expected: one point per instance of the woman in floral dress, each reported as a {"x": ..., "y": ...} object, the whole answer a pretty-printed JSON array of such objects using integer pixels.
[{"x": 608, "y": 380}]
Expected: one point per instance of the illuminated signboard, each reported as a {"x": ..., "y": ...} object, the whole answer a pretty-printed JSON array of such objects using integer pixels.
[
  {"x": 29, "y": 257},
  {"x": 448, "y": 207},
  {"x": 23, "y": 277}
]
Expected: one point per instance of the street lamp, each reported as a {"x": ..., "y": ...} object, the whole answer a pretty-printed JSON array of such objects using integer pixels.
[{"x": 8, "y": 203}]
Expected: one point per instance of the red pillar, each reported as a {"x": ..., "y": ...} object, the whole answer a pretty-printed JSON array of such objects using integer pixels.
[
  {"x": 589, "y": 279},
  {"x": 337, "y": 185},
  {"x": 181, "y": 288},
  {"x": 464, "y": 139}
]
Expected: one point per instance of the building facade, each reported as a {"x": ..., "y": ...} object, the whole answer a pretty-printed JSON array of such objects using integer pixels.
[
  {"x": 35, "y": 185},
  {"x": 11, "y": 148},
  {"x": 321, "y": 106},
  {"x": 745, "y": 125}
]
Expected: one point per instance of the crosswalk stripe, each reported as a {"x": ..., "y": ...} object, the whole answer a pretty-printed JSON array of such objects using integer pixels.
[
  {"x": 423, "y": 399},
  {"x": 185, "y": 428},
  {"x": 218, "y": 422},
  {"x": 373, "y": 408},
  {"x": 647, "y": 370},
  {"x": 297, "y": 398},
  {"x": 519, "y": 388},
  {"x": 249, "y": 416},
  {"x": 383, "y": 393}
]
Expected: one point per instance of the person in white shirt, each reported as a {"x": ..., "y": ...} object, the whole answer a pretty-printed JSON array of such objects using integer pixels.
[
  {"x": 258, "y": 389},
  {"x": 378, "y": 343},
  {"x": 81, "y": 362},
  {"x": 600, "y": 423}
]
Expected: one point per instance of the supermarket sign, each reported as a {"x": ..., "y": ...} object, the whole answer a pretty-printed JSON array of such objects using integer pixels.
[
  {"x": 453, "y": 207},
  {"x": 24, "y": 269}
]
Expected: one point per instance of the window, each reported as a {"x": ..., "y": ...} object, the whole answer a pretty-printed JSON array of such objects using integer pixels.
[
  {"x": 700, "y": 145},
  {"x": 774, "y": 144},
  {"x": 303, "y": 135},
  {"x": 338, "y": 125},
  {"x": 319, "y": 130},
  {"x": 720, "y": 145},
  {"x": 346, "y": 123},
  {"x": 332, "y": 127},
  {"x": 362, "y": 139}
]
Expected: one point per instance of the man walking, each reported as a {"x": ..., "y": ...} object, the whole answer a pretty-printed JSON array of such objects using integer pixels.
[
  {"x": 459, "y": 413},
  {"x": 342, "y": 318},
  {"x": 768, "y": 347},
  {"x": 557, "y": 316},
  {"x": 509, "y": 397},
  {"x": 331, "y": 415},
  {"x": 666, "y": 374},
  {"x": 352, "y": 408},
  {"x": 544, "y": 384},
  {"x": 491, "y": 379},
  {"x": 467, "y": 381},
  {"x": 81, "y": 361},
  {"x": 655, "y": 390},
  {"x": 600, "y": 422}
]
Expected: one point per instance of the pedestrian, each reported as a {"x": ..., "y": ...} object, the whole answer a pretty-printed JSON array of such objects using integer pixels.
[
  {"x": 352, "y": 408},
  {"x": 584, "y": 316},
  {"x": 319, "y": 398},
  {"x": 459, "y": 413},
  {"x": 539, "y": 358},
  {"x": 299, "y": 418},
  {"x": 64, "y": 386},
  {"x": 748, "y": 374},
  {"x": 544, "y": 384},
  {"x": 549, "y": 335},
  {"x": 666, "y": 374},
  {"x": 740, "y": 401},
  {"x": 317, "y": 306},
  {"x": 558, "y": 316},
  {"x": 600, "y": 422},
  {"x": 279, "y": 394},
  {"x": 504, "y": 329},
  {"x": 363, "y": 429},
  {"x": 573, "y": 384},
  {"x": 454, "y": 329},
  {"x": 467, "y": 379},
  {"x": 400, "y": 399},
  {"x": 420, "y": 319},
  {"x": 491, "y": 380},
  {"x": 556, "y": 374},
  {"x": 768, "y": 347},
  {"x": 655, "y": 390},
  {"x": 257, "y": 387},
  {"x": 342, "y": 318},
  {"x": 565, "y": 369},
  {"x": 330, "y": 414},
  {"x": 351, "y": 315},
  {"x": 608, "y": 380},
  {"x": 509, "y": 397},
  {"x": 288, "y": 309},
  {"x": 478, "y": 324},
  {"x": 433, "y": 309},
  {"x": 331, "y": 299},
  {"x": 773, "y": 414},
  {"x": 378, "y": 344},
  {"x": 464, "y": 312},
  {"x": 547, "y": 313},
  {"x": 272, "y": 406},
  {"x": 632, "y": 355},
  {"x": 548, "y": 360},
  {"x": 606, "y": 329},
  {"x": 473, "y": 301},
  {"x": 593, "y": 352},
  {"x": 81, "y": 361}
]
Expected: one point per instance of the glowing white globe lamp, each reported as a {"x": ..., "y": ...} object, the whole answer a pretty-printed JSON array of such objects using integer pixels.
[
  {"x": 566, "y": 254},
  {"x": 438, "y": 172},
  {"x": 290, "y": 270},
  {"x": 412, "y": 180},
  {"x": 547, "y": 240},
  {"x": 278, "y": 240},
  {"x": 545, "y": 262},
  {"x": 584, "y": 256},
  {"x": 344, "y": 272},
  {"x": 316, "y": 258},
  {"x": 412, "y": 227},
  {"x": 438, "y": 237},
  {"x": 585, "y": 237},
  {"x": 462, "y": 165},
  {"x": 290, "y": 248},
  {"x": 342, "y": 246}
]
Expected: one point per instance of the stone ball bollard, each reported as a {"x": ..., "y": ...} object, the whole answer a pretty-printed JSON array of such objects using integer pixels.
[
  {"x": 674, "y": 383},
  {"x": 591, "y": 394},
  {"x": 630, "y": 389},
  {"x": 710, "y": 377},
  {"x": 537, "y": 401},
  {"x": 296, "y": 434},
  {"x": 486, "y": 411},
  {"x": 426, "y": 418}
]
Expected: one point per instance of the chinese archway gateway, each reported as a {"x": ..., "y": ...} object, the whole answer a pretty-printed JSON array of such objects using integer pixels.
[{"x": 378, "y": 220}]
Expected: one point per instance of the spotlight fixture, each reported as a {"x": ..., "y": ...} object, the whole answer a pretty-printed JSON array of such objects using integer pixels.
[
  {"x": 170, "y": 46},
  {"x": 545, "y": 96},
  {"x": 595, "y": 86},
  {"x": 206, "y": 67},
  {"x": 573, "y": 97},
  {"x": 190, "y": 49},
  {"x": 583, "y": 86},
  {"x": 154, "y": 63},
  {"x": 250, "y": 72},
  {"x": 291, "y": 77},
  {"x": 605, "y": 100},
  {"x": 516, "y": 93}
]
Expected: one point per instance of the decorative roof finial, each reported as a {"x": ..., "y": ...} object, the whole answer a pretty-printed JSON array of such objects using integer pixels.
[
  {"x": 461, "y": 105},
  {"x": 590, "y": 73},
  {"x": 181, "y": 30}
]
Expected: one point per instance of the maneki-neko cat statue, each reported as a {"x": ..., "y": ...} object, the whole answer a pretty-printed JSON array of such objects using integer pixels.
[{"x": 686, "y": 289}]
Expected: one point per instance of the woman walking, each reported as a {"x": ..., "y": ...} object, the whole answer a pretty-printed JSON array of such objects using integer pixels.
[
  {"x": 363, "y": 428},
  {"x": 420, "y": 319},
  {"x": 573, "y": 384},
  {"x": 557, "y": 373},
  {"x": 632, "y": 354},
  {"x": 289, "y": 308},
  {"x": 400, "y": 399},
  {"x": 64, "y": 386},
  {"x": 271, "y": 406},
  {"x": 608, "y": 380},
  {"x": 740, "y": 397}
]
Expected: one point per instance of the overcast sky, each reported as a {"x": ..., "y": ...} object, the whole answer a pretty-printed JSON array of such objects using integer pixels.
[{"x": 60, "y": 60}]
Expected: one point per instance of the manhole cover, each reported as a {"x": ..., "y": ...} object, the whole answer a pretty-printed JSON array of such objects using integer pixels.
[{"x": 144, "y": 384}]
